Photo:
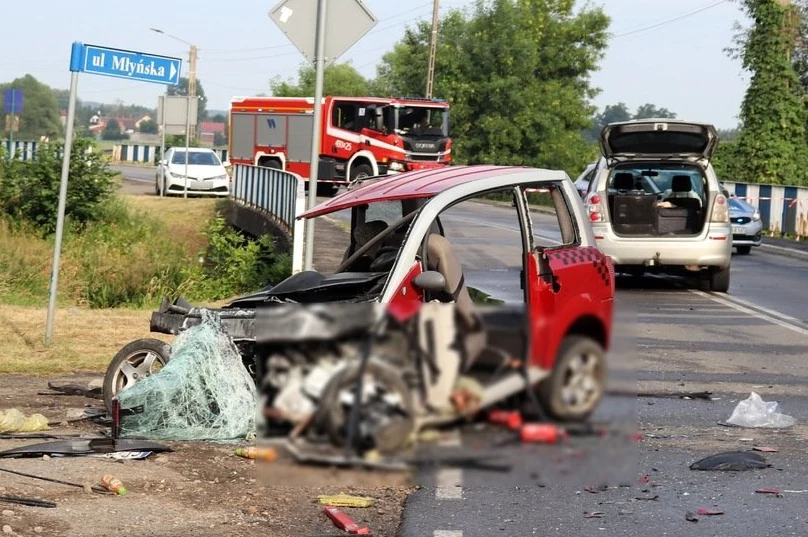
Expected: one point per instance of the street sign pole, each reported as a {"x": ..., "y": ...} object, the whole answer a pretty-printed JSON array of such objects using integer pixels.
[
  {"x": 76, "y": 57},
  {"x": 319, "y": 67},
  {"x": 162, "y": 146},
  {"x": 187, "y": 140},
  {"x": 11, "y": 125}
]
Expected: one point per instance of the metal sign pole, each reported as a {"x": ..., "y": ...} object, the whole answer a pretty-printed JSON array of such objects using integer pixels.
[
  {"x": 319, "y": 61},
  {"x": 76, "y": 57},
  {"x": 187, "y": 140},
  {"x": 11, "y": 125},
  {"x": 163, "y": 147}
]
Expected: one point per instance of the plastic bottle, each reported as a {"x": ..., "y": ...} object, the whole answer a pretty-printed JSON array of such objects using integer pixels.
[
  {"x": 541, "y": 433},
  {"x": 257, "y": 453},
  {"x": 113, "y": 484}
]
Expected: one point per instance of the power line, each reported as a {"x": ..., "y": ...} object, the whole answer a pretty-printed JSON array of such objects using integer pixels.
[{"x": 669, "y": 21}]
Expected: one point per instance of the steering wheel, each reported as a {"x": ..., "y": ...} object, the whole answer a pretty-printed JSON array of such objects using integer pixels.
[{"x": 376, "y": 240}]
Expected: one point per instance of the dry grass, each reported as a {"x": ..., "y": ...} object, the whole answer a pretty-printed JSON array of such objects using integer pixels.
[
  {"x": 184, "y": 218},
  {"x": 83, "y": 339}
]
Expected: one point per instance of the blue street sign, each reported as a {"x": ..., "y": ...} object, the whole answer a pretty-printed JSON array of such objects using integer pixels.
[
  {"x": 132, "y": 65},
  {"x": 12, "y": 99}
]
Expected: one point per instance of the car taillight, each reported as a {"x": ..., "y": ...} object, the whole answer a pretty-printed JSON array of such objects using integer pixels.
[
  {"x": 595, "y": 208},
  {"x": 720, "y": 210}
]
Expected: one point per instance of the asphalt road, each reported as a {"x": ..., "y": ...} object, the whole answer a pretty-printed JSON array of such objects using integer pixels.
[{"x": 671, "y": 336}]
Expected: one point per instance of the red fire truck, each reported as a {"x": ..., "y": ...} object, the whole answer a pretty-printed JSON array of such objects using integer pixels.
[{"x": 361, "y": 136}]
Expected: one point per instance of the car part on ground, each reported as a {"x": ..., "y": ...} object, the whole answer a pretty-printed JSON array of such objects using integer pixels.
[{"x": 137, "y": 360}]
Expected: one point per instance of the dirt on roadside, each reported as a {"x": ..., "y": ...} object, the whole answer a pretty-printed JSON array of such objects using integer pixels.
[{"x": 200, "y": 488}]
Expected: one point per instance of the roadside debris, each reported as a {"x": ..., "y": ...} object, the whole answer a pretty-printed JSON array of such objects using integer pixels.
[
  {"x": 259, "y": 453},
  {"x": 594, "y": 514},
  {"x": 344, "y": 522},
  {"x": 14, "y": 421},
  {"x": 113, "y": 484},
  {"x": 766, "y": 449},
  {"x": 53, "y": 480},
  {"x": 93, "y": 392},
  {"x": 203, "y": 393},
  {"x": 690, "y": 516},
  {"x": 733, "y": 461},
  {"x": 775, "y": 492},
  {"x": 31, "y": 502},
  {"x": 706, "y": 396},
  {"x": 755, "y": 412},
  {"x": 345, "y": 500},
  {"x": 708, "y": 512},
  {"x": 83, "y": 447},
  {"x": 542, "y": 433}
]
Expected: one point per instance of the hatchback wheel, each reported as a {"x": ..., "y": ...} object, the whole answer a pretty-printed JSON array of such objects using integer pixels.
[
  {"x": 719, "y": 279},
  {"x": 575, "y": 386}
]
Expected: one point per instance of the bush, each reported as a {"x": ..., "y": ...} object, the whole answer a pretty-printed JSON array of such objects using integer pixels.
[{"x": 29, "y": 190}]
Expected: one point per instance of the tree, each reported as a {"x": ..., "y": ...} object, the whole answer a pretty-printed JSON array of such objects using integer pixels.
[
  {"x": 182, "y": 89},
  {"x": 338, "y": 79},
  {"x": 516, "y": 73},
  {"x": 40, "y": 114},
  {"x": 149, "y": 127},
  {"x": 772, "y": 147},
  {"x": 650, "y": 111},
  {"x": 112, "y": 131}
]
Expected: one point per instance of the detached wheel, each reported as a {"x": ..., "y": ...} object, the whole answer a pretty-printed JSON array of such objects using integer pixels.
[
  {"x": 576, "y": 384},
  {"x": 134, "y": 362},
  {"x": 719, "y": 280},
  {"x": 744, "y": 250},
  {"x": 385, "y": 421}
]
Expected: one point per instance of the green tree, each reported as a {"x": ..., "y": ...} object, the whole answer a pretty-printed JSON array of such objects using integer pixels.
[
  {"x": 182, "y": 89},
  {"x": 112, "y": 131},
  {"x": 649, "y": 111},
  {"x": 149, "y": 127},
  {"x": 40, "y": 114},
  {"x": 772, "y": 147},
  {"x": 338, "y": 79},
  {"x": 516, "y": 73}
]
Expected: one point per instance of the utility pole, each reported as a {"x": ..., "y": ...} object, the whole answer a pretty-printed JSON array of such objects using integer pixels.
[
  {"x": 192, "y": 84},
  {"x": 433, "y": 44}
]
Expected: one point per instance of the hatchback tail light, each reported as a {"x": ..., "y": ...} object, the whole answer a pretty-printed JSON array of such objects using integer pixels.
[
  {"x": 594, "y": 206},
  {"x": 720, "y": 210}
]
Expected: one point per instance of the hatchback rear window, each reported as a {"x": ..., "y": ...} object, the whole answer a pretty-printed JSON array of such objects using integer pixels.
[{"x": 659, "y": 143}]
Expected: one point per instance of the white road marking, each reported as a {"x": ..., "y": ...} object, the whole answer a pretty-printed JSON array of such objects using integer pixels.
[
  {"x": 742, "y": 308},
  {"x": 447, "y": 533},
  {"x": 783, "y": 316},
  {"x": 791, "y": 252},
  {"x": 449, "y": 484}
]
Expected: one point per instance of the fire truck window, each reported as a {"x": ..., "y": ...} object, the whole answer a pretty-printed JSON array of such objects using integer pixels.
[{"x": 344, "y": 116}]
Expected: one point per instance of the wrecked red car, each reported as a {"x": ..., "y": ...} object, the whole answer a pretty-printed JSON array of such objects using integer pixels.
[{"x": 547, "y": 341}]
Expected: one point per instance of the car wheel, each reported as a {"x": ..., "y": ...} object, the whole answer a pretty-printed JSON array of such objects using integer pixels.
[
  {"x": 576, "y": 384},
  {"x": 719, "y": 280},
  {"x": 744, "y": 250},
  {"x": 270, "y": 163},
  {"x": 360, "y": 172},
  {"x": 134, "y": 362}
]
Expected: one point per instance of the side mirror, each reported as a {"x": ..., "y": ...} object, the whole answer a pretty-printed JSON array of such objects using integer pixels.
[{"x": 430, "y": 280}]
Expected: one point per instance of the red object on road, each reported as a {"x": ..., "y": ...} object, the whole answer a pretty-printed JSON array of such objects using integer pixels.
[
  {"x": 541, "y": 433},
  {"x": 512, "y": 419},
  {"x": 776, "y": 492},
  {"x": 708, "y": 512},
  {"x": 344, "y": 522}
]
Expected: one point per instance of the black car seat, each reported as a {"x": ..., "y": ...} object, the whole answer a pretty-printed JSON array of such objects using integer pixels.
[
  {"x": 623, "y": 182},
  {"x": 682, "y": 197},
  {"x": 442, "y": 258}
]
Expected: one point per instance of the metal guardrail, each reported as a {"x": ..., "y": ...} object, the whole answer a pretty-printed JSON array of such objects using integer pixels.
[
  {"x": 279, "y": 195},
  {"x": 21, "y": 149}
]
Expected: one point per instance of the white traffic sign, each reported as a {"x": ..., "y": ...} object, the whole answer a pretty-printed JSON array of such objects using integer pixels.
[{"x": 348, "y": 21}]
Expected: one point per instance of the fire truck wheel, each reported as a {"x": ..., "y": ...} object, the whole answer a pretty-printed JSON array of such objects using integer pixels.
[
  {"x": 361, "y": 171},
  {"x": 576, "y": 384},
  {"x": 270, "y": 163}
]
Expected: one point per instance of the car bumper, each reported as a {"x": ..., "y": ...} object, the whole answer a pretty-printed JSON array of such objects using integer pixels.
[
  {"x": 711, "y": 249},
  {"x": 198, "y": 188},
  {"x": 750, "y": 234}
]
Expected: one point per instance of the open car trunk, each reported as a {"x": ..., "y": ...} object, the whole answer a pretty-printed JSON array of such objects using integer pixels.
[{"x": 657, "y": 200}]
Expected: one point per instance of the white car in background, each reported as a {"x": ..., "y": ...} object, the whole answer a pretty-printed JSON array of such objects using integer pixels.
[{"x": 206, "y": 173}]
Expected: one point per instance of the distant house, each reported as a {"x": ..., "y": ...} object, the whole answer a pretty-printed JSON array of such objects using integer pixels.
[{"x": 208, "y": 131}]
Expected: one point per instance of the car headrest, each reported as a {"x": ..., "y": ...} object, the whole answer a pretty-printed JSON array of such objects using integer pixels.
[
  {"x": 681, "y": 183},
  {"x": 623, "y": 181}
]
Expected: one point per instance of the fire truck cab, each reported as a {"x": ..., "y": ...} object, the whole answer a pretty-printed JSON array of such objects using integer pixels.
[{"x": 360, "y": 136}]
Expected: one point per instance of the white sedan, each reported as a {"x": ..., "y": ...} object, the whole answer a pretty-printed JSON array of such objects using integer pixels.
[{"x": 204, "y": 173}]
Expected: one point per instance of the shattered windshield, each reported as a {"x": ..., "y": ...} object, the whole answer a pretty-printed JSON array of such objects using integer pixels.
[{"x": 422, "y": 121}]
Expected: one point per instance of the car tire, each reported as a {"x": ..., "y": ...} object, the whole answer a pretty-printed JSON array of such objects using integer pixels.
[
  {"x": 744, "y": 250},
  {"x": 566, "y": 372},
  {"x": 135, "y": 354},
  {"x": 719, "y": 280},
  {"x": 361, "y": 171}
]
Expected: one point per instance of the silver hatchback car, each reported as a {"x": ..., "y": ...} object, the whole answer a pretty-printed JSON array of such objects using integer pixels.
[{"x": 655, "y": 203}]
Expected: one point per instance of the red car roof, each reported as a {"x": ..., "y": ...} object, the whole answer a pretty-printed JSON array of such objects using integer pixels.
[{"x": 409, "y": 185}]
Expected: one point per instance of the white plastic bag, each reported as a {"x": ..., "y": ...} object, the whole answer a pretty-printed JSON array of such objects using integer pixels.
[{"x": 755, "y": 412}]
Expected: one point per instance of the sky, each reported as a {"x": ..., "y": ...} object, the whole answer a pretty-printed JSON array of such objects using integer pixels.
[{"x": 666, "y": 52}]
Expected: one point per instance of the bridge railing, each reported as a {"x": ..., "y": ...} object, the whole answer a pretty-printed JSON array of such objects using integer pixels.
[{"x": 279, "y": 195}]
